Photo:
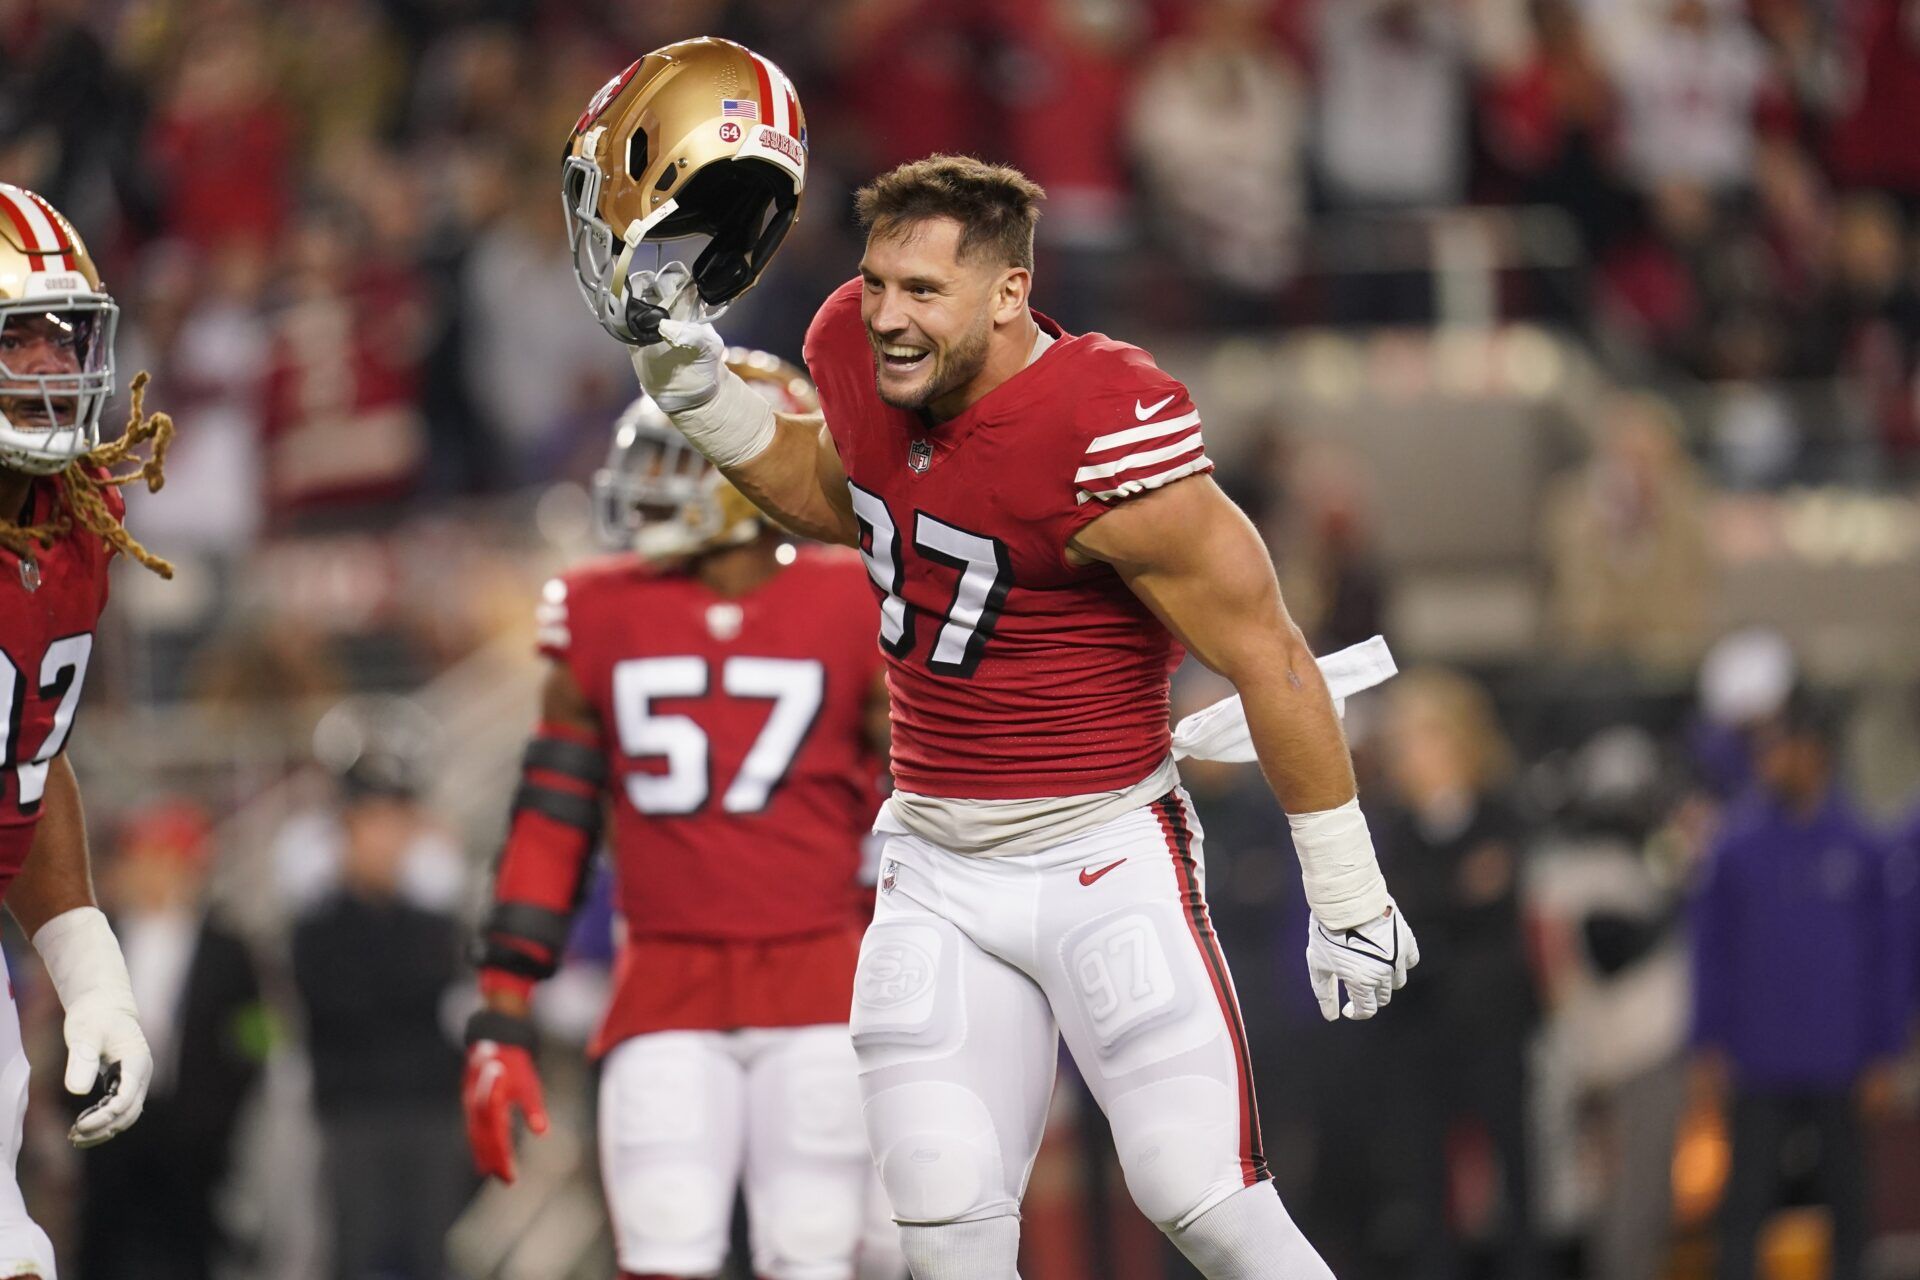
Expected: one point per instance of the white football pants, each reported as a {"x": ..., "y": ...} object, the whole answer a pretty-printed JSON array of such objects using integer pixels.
[
  {"x": 24, "y": 1247},
  {"x": 687, "y": 1116},
  {"x": 969, "y": 964}
]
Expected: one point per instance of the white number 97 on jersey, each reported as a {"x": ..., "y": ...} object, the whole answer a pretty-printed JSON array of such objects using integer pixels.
[{"x": 795, "y": 686}]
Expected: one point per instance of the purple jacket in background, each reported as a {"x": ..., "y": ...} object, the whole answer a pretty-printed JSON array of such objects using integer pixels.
[{"x": 1798, "y": 949}]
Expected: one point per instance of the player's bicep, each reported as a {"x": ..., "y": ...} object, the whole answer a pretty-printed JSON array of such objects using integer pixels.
[
  {"x": 833, "y": 487},
  {"x": 1196, "y": 560}
]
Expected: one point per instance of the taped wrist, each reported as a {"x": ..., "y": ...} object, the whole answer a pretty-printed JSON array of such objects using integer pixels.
[
  {"x": 83, "y": 957},
  {"x": 734, "y": 427},
  {"x": 1343, "y": 882},
  {"x": 501, "y": 1028},
  {"x": 542, "y": 871}
]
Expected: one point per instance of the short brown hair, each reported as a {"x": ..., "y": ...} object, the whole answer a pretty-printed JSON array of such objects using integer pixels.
[{"x": 996, "y": 205}]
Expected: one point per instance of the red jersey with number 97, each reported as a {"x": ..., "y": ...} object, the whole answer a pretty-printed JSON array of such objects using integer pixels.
[
  {"x": 735, "y": 731},
  {"x": 50, "y": 603},
  {"x": 1014, "y": 674}
]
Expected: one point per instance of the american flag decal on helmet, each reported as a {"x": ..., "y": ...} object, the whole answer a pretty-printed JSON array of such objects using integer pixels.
[{"x": 740, "y": 109}]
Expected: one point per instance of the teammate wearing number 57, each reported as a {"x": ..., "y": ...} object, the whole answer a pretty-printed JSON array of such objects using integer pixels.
[
  {"x": 1038, "y": 520},
  {"x": 717, "y": 688},
  {"x": 59, "y": 529}
]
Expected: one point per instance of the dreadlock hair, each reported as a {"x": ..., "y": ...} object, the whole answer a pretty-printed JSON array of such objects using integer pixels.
[{"x": 84, "y": 481}]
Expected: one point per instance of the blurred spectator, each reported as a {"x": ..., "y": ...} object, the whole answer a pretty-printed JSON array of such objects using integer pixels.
[
  {"x": 373, "y": 973},
  {"x": 221, "y": 142},
  {"x": 1745, "y": 680},
  {"x": 1335, "y": 587},
  {"x": 1452, "y": 1050},
  {"x": 1867, "y": 322},
  {"x": 1217, "y": 123},
  {"x": 1626, "y": 544},
  {"x": 1691, "y": 96},
  {"x": 148, "y": 1203},
  {"x": 66, "y": 111},
  {"x": 1874, "y": 142},
  {"x": 344, "y": 432},
  {"x": 1795, "y": 988},
  {"x": 1550, "y": 121},
  {"x": 196, "y": 322},
  {"x": 1615, "y": 975},
  {"x": 1391, "y": 124}
]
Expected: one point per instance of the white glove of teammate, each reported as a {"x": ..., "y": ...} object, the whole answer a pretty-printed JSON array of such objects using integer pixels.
[
  {"x": 1371, "y": 959},
  {"x": 102, "y": 1028}
]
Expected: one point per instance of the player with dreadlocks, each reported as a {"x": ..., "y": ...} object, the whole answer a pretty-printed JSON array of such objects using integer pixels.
[{"x": 60, "y": 526}]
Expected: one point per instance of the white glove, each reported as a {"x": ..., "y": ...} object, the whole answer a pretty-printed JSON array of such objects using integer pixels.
[
  {"x": 686, "y": 374},
  {"x": 1372, "y": 959},
  {"x": 102, "y": 1027},
  {"x": 682, "y": 371}
]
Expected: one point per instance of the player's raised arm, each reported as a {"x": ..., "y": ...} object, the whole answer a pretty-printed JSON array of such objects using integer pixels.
[
  {"x": 1192, "y": 557},
  {"x": 785, "y": 464}
]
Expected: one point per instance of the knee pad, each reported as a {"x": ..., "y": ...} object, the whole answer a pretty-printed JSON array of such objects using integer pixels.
[
  {"x": 1133, "y": 978},
  {"x": 669, "y": 1182},
  {"x": 806, "y": 1226},
  {"x": 1178, "y": 1142},
  {"x": 937, "y": 1152},
  {"x": 908, "y": 972},
  {"x": 820, "y": 1097}
]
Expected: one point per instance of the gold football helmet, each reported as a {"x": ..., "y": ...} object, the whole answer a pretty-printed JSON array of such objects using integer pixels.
[
  {"x": 56, "y": 338},
  {"x": 659, "y": 497},
  {"x": 703, "y": 137}
]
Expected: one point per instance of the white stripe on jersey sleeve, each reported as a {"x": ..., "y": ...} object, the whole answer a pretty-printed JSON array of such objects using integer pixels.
[
  {"x": 1143, "y": 483},
  {"x": 1134, "y": 435},
  {"x": 1134, "y": 461}
]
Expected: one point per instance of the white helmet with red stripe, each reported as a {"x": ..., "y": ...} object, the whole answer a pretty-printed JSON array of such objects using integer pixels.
[
  {"x": 700, "y": 138},
  {"x": 56, "y": 338}
]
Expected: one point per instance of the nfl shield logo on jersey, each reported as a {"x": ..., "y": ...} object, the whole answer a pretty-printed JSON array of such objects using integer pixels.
[
  {"x": 919, "y": 457},
  {"x": 889, "y": 876},
  {"x": 30, "y": 573},
  {"x": 723, "y": 621}
]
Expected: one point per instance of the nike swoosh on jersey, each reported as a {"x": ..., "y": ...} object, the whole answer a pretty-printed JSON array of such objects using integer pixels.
[
  {"x": 1142, "y": 412},
  {"x": 1088, "y": 877}
]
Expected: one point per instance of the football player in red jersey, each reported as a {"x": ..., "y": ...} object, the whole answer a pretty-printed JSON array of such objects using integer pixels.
[
  {"x": 59, "y": 528},
  {"x": 718, "y": 691},
  {"x": 1036, "y": 514}
]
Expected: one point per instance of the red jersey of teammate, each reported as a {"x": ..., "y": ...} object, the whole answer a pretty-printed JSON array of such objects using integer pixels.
[
  {"x": 1014, "y": 674},
  {"x": 735, "y": 730},
  {"x": 50, "y": 604}
]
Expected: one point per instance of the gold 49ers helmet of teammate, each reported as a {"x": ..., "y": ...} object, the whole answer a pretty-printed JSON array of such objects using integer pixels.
[
  {"x": 699, "y": 138},
  {"x": 659, "y": 497},
  {"x": 56, "y": 338}
]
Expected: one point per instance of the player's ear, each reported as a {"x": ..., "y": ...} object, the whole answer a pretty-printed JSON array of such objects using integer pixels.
[{"x": 1010, "y": 297}]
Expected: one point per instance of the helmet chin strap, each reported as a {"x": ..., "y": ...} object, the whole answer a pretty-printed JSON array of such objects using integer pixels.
[{"x": 667, "y": 292}]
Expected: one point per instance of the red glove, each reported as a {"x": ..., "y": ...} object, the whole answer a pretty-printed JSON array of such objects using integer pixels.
[{"x": 500, "y": 1077}]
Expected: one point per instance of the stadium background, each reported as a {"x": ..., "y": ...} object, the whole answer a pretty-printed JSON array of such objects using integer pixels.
[{"x": 1559, "y": 340}]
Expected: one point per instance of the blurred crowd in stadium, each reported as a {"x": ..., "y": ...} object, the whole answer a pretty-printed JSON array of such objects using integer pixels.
[{"x": 1574, "y": 344}]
